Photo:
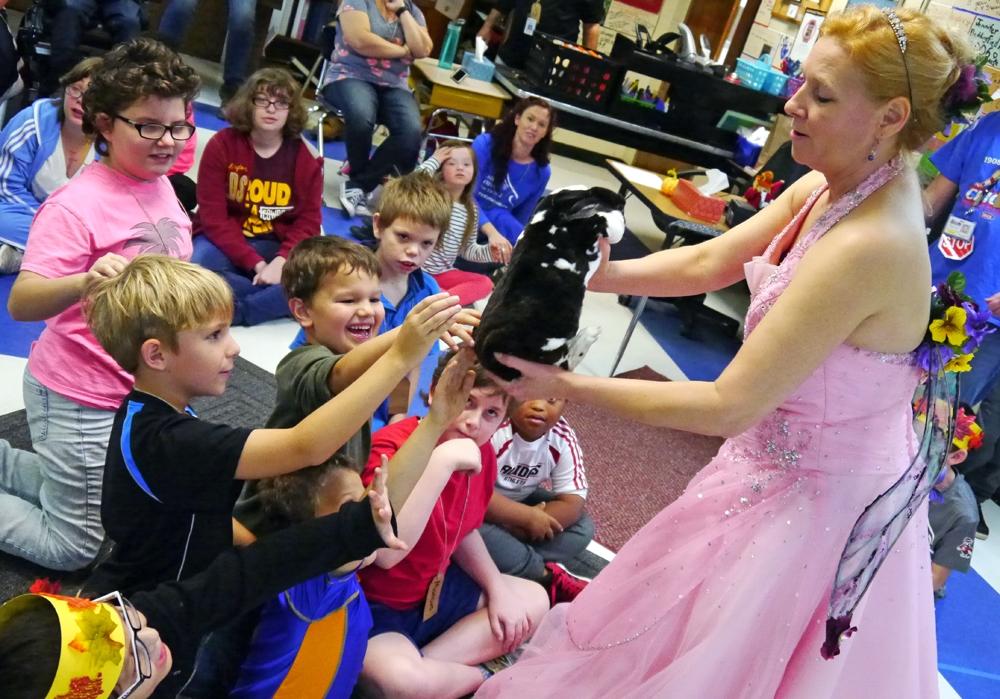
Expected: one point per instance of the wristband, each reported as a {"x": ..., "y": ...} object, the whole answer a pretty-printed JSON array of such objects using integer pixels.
[{"x": 400, "y": 11}]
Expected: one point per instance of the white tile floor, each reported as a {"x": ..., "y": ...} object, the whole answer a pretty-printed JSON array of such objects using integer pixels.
[{"x": 265, "y": 345}]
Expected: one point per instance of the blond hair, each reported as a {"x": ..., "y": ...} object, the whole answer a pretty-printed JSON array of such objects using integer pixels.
[
  {"x": 418, "y": 197},
  {"x": 155, "y": 296},
  {"x": 314, "y": 258},
  {"x": 933, "y": 60}
]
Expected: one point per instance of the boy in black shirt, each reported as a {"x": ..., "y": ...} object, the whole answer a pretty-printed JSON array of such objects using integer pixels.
[{"x": 170, "y": 480}]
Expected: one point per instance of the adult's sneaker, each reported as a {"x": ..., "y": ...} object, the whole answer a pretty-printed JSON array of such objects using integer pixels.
[
  {"x": 353, "y": 200},
  {"x": 564, "y": 586}
]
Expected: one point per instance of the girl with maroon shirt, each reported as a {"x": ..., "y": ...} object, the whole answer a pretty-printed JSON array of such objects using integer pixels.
[{"x": 259, "y": 193}]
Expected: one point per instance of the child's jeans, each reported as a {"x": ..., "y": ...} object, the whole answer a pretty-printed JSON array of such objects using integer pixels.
[
  {"x": 527, "y": 559},
  {"x": 252, "y": 303},
  {"x": 50, "y": 500}
]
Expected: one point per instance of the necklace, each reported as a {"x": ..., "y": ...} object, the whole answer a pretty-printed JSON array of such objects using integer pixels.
[{"x": 436, "y": 583}]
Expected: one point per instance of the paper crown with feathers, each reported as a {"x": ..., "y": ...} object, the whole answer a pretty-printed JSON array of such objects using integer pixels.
[{"x": 92, "y": 644}]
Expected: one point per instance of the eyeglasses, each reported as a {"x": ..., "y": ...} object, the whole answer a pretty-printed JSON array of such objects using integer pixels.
[
  {"x": 154, "y": 132},
  {"x": 74, "y": 91},
  {"x": 140, "y": 653},
  {"x": 280, "y": 105}
]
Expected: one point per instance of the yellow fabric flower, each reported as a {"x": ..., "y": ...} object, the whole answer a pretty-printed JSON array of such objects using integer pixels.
[
  {"x": 959, "y": 363},
  {"x": 951, "y": 328}
]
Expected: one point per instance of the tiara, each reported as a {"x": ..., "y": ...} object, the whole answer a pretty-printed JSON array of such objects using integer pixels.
[
  {"x": 897, "y": 28},
  {"x": 91, "y": 650}
]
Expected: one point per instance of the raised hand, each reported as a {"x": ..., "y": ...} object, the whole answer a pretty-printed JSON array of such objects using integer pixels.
[
  {"x": 378, "y": 498},
  {"x": 451, "y": 392},
  {"x": 443, "y": 153},
  {"x": 460, "y": 332},
  {"x": 428, "y": 321}
]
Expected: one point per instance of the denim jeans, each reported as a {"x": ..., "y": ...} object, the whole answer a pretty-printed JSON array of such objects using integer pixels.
[
  {"x": 50, "y": 500},
  {"x": 252, "y": 303},
  {"x": 365, "y": 105},
  {"x": 977, "y": 383},
  {"x": 239, "y": 34},
  {"x": 121, "y": 19},
  {"x": 527, "y": 559}
]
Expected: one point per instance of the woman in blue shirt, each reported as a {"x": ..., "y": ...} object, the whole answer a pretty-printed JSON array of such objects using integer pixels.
[{"x": 513, "y": 171}]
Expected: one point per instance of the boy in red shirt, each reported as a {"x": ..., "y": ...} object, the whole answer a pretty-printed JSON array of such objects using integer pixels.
[{"x": 433, "y": 622}]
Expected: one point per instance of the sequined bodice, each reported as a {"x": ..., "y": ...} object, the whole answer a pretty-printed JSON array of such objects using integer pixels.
[{"x": 854, "y": 391}]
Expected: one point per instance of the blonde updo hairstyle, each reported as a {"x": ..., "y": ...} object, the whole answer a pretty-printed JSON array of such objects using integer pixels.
[{"x": 934, "y": 57}]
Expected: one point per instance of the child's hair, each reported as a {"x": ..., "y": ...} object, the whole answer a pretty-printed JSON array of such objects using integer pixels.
[
  {"x": 154, "y": 296},
  {"x": 293, "y": 496},
  {"x": 30, "y": 644},
  {"x": 131, "y": 71},
  {"x": 467, "y": 198},
  {"x": 483, "y": 379},
  {"x": 82, "y": 70},
  {"x": 314, "y": 258},
  {"x": 417, "y": 196},
  {"x": 273, "y": 82}
]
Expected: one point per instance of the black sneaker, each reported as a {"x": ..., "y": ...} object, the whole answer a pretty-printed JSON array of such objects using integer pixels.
[{"x": 983, "y": 530}]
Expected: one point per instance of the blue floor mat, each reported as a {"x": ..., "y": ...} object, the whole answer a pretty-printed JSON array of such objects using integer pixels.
[
  {"x": 967, "y": 636},
  {"x": 15, "y": 337},
  {"x": 336, "y": 223},
  {"x": 206, "y": 116}
]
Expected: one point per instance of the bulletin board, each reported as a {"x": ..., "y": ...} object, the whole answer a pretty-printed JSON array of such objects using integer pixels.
[{"x": 978, "y": 20}]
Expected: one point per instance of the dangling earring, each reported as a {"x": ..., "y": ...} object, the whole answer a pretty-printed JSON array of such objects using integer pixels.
[{"x": 873, "y": 151}]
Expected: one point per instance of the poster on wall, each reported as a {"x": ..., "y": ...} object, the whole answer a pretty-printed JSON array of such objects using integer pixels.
[
  {"x": 647, "y": 5},
  {"x": 881, "y": 4},
  {"x": 807, "y": 36}
]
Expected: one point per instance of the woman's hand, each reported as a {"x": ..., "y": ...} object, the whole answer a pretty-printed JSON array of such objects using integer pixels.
[
  {"x": 500, "y": 247},
  {"x": 993, "y": 303},
  {"x": 107, "y": 266},
  {"x": 270, "y": 273},
  {"x": 600, "y": 278},
  {"x": 536, "y": 379}
]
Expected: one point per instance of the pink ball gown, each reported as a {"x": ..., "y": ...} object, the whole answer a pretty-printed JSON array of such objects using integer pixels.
[{"x": 725, "y": 593}]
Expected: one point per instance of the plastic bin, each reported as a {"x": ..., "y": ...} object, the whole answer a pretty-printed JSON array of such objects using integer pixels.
[
  {"x": 752, "y": 74},
  {"x": 774, "y": 84},
  {"x": 570, "y": 73}
]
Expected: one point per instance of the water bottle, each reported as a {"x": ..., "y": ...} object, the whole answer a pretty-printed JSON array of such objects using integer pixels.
[{"x": 450, "y": 44}]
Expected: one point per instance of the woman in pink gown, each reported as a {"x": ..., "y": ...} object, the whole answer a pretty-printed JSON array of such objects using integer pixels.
[{"x": 726, "y": 592}]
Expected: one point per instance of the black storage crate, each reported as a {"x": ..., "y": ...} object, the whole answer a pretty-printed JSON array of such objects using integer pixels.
[{"x": 570, "y": 73}]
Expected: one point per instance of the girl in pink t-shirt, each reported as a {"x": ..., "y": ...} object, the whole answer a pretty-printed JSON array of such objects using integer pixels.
[{"x": 87, "y": 230}]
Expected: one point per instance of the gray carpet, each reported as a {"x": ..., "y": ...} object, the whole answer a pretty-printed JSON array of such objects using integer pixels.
[{"x": 247, "y": 402}]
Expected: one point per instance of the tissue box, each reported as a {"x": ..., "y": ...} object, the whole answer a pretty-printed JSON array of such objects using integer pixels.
[{"x": 477, "y": 70}]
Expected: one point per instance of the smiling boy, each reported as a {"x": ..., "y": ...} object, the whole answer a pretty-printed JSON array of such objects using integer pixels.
[{"x": 170, "y": 480}]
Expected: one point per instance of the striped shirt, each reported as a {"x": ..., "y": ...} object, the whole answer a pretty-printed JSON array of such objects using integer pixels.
[
  {"x": 443, "y": 257},
  {"x": 523, "y": 466}
]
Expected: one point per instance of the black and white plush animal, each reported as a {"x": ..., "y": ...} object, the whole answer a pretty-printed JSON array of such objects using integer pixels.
[{"x": 534, "y": 311}]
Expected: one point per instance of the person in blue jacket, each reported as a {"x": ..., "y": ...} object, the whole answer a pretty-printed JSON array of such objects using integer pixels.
[
  {"x": 514, "y": 170},
  {"x": 41, "y": 148}
]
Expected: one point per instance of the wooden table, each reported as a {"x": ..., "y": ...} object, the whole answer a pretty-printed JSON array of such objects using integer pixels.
[
  {"x": 476, "y": 97},
  {"x": 644, "y": 185}
]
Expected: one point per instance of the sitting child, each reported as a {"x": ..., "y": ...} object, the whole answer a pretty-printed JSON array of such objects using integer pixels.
[
  {"x": 433, "y": 622},
  {"x": 260, "y": 188},
  {"x": 145, "y": 645},
  {"x": 529, "y": 529},
  {"x": 311, "y": 640},
  {"x": 413, "y": 210},
  {"x": 455, "y": 165},
  {"x": 171, "y": 480},
  {"x": 953, "y": 512}
]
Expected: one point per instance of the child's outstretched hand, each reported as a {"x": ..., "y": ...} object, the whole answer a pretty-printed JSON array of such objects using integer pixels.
[
  {"x": 378, "y": 498},
  {"x": 428, "y": 321},
  {"x": 461, "y": 328},
  {"x": 451, "y": 392}
]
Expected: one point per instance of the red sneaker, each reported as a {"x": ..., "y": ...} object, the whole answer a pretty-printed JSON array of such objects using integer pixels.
[{"x": 564, "y": 586}]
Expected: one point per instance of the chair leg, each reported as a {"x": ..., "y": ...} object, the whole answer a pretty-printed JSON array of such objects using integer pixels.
[{"x": 628, "y": 333}]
